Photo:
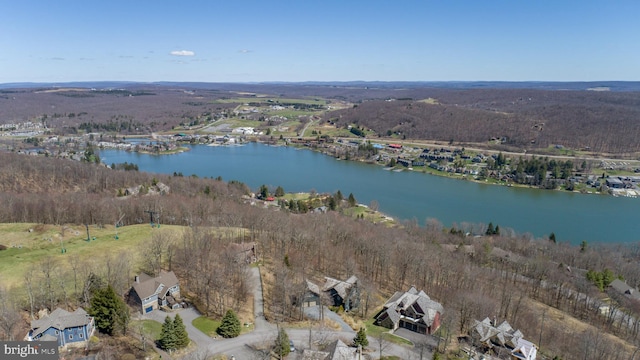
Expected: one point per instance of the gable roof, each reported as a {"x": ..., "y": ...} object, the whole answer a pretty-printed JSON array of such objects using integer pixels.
[
  {"x": 622, "y": 287},
  {"x": 502, "y": 334},
  {"x": 422, "y": 305},
  {"x": 341, "y": 287},
  {"x": 60, "y": 319},
  {"x": 148, "y": 286}
]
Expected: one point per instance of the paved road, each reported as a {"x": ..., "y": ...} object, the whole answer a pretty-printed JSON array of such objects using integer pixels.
[{"x": 264, "y": 334}]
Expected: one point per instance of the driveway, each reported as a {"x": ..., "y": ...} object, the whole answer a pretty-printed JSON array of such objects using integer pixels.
[
  {"x": 313, "y": 312},
  {"x": 187, "y": 315}
]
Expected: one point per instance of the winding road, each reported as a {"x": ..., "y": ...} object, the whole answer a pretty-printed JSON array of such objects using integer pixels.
[{"x": 264, "y": 333}]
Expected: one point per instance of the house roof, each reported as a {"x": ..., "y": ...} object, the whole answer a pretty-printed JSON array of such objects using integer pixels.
[
  {"x": 502, "y": 334},
  {"x": 60, "y": 319},
  {"x": 419, "y": 300},
  {"x": 313, "y": 287},
  {"x": 148, "y": 286},
  {"x": 341, "y": 287},
  {"x": 622, "y": 287}
]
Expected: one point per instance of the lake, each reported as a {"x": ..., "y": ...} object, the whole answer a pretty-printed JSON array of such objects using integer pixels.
[{"x": 406, "y": 195}]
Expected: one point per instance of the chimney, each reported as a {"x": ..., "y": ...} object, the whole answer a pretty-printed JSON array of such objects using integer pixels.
[{"x": 136, "y": 279}]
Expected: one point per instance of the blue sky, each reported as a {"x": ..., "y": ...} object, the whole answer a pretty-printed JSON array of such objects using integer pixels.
[{"x": 306, "y": 40}]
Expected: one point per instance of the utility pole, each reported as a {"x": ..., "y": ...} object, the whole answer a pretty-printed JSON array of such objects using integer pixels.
[
  {"x": 116, "y": 226},
  {"x": 544, "y": 312},
  {"x": 151, "y": 215}
]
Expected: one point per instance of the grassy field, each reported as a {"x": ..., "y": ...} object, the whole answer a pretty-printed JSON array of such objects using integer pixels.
[
  {"x": 206, "y": 325},
  {"x": 150, "y": 328},
  {"x": 209, "y": 326},
  {"x": 29, "y": 244}
]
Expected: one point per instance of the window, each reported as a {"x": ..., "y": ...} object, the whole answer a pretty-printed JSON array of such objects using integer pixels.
[
  {"x": 70, "y": 336},
  {"x": 81, "y": 336},
  {"x": 57, "y": 332}
]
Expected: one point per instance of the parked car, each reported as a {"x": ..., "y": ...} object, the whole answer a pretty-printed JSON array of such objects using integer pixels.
[{"x": 291, "y": 347}]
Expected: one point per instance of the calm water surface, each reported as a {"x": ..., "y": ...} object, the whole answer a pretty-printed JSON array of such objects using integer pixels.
[{"x": 406, "y": 195}]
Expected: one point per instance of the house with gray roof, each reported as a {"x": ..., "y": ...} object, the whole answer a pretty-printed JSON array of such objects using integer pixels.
[
  {"x": 624, "y": 289},
  {"x": 491, "y": 335},
  {"x": 150, "y": 293},
  {"x": 412, "y": 310},
  {"x": 341, "y": 293},
  {"x": 67, "y": 328}
]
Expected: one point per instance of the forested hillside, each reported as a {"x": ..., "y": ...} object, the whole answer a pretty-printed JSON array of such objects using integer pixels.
[
  {"x": 539, "y": 286},
  {"x": 523, "y": 119}
]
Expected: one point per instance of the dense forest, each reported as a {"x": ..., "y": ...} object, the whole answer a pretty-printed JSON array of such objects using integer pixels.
[
  {"x": 519, "y": 119},
  {"x": 540, "y": 286}
]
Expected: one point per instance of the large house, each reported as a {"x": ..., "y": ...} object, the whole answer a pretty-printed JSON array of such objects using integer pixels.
[
  {"x": 411, "y": 310},
  {"x": 491, "y": 336},
  {"x": 65, "y": 327},
  {"x": 151, "y": 293},
  {"x": 341, "y": 293}
]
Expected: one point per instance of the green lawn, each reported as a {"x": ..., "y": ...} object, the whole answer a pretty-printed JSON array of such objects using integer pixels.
[
  {"x": 150, "y": 328},
  {"x": 206, "y": 325},
  {"x": 209, "y": 326},
  {"x": 27, "y": 248},
  {"x": 375, "y": 331}
]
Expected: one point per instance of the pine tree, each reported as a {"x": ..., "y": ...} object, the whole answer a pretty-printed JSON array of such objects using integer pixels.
[
  {"x": 489, "y": 229},
  {"x": 361, "y": 338},
  {"x": 180, "y": 331},
  {"x": 352, "y": 200},
  {"x": 168, "y": 340},
  {"x": 279, "y": 191},
  {"x": 283, "y": 347},
  {"x": 109, "y": 311},
  {"x": 230, "y": 326}
]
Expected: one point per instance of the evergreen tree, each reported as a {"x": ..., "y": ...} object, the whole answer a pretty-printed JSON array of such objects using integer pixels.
[
  {"x": 264, "y": 191},
  {"x": 489, "y": 229},
  {"x": 352, "y": 200},
  {"x": 339, "y": 196},
  {"x": 168, "y": 340},
  {"x": 180, "y": 331},
  {"x": 283, "y": 348},
  {"x": 109, "y": 311},
  {"x": 361, "y": 339},
  {"x": 552, "y": 238},
  {"x": 279, "y": 191},
  {"x": 496, "y": 231},
  {"x": 332, "y": 203},
  {"x": 230, "y": 326}
]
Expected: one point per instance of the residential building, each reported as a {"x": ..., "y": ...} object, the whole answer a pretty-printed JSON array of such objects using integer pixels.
[
  {"x": 150, "y": 293},
  {"x": 492, "y": 336},
  {"x": 412, "y": 310},
  {"x": 341, "y": 293},
  {"x": 68, "y": 328}
]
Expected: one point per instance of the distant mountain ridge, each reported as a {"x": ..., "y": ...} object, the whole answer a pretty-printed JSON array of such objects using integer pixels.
[{"x": 460, "y": 85}]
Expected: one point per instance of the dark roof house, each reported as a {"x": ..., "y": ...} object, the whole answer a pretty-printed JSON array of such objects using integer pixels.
[{"x": 412, "y": 310}]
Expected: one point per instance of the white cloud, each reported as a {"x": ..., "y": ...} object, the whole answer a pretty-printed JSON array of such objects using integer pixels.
[
  {"x": 182, "y": 53},
  {"x": 244, "y": 51}
]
